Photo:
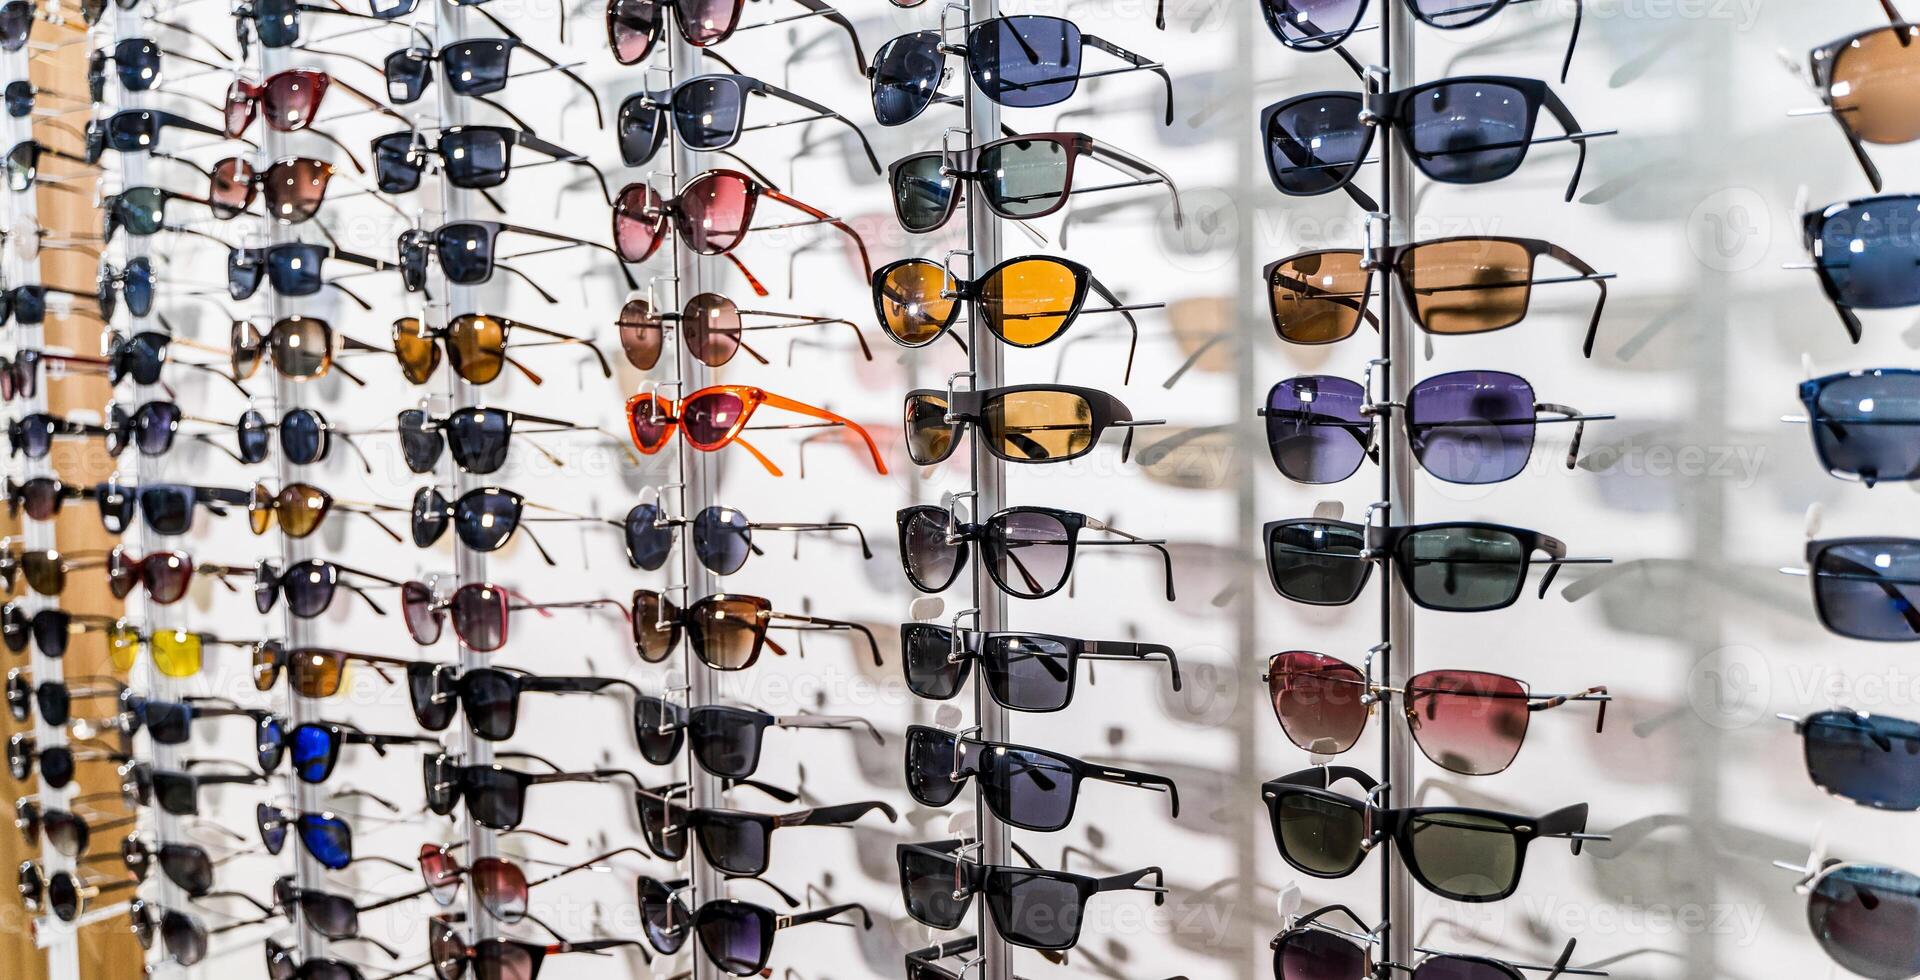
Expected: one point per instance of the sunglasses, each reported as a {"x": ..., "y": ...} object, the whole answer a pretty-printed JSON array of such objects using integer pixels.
[
  {"x": 135, "y": 281},
  {"x": 500, "y": 886},
  {"x": 722, "y": 537},
  {"x": 474, "y": 66},
  {"x": 23, "y": 162},
  {"x": 1862, "y": 80},
  {"x": 479, "y": 611},
  {"x": 712, "y": 215},
  {"x": 137, "y": 65},
  {"x": 335, "y": 917},
  {"x": 736, "y": 936},
  {"x": 1031, "y": 906},
  {"x": 309, "y": 586},
  {"x": 299, "y": 347},
  {"x": 67, "y": 831},
  {"x": 55, "y": 698},
  {"x": 476, "y": 347},
  {"x": 1858, "y": 914},
  {"x": 1019, "y": 178},
  {"x": 470, "y": 157},
  {"x": 635, "y": 26},
  {"x": 171, "y": 722},
  {"x": 1470, "y": 427},
  {"x": 1858, "y": 423},
  {"x": 142, "y": 355},
  {"x": 1018, "y": 62},
  {"x": 1021, "y": 424},
  {"x": 1466, "y": 721},
  {"x": 326, "y": 837},
  {"x": 1029, "y": 551},
  {"x": 467, "y": 253},
  {"x": 45, "y": 571},
  {"x": 20, "y": 374},
  {"x": 711, "y": 327},
  {"x": 1858, "y": 248},
  {"x": 1460, "y": 285},
  {"x": 293, "y": 187},
  {"x": 288, "y": 101},
  {"x": 1460, "y": 853},
  {"x": 483, "y": 518},
  {"x": 315, "y": 746},
  {"x": 300, "y": 508},
  {"x": 1029, "y": 788},
  {"x": 1025, "y": 302},
  {"x": 292, "y": 268},
  {"x": 1023, "y": 671},
  {"x": 27, "y": 305},
  {"x": 736, "y": 842},
  {"x": 49, "y": 629},
  {"x": 42, "y": 497},
  {"x": 489, "y": 695},
  {"x": 56, "y": 763},
  {"x": 149, "y": 428},
  {"x": 709, "y": 112},
  {"x": 178, "y": 793},
  {"x": 32, "y": 435},
  {"x": 726, "y": 631},
  {"x": 1864, "y": 588},
  {"x": 1452, "y": 567},
  {"x": 479, "y": 437},
  {"x": 726, "y": 740},
  {"x": 499, "y": 958},
  {"x": 165, "y": 575},
  {"x": 63, "y": 893},
  {"x": 496, "y": 797},
  {"x": 1862, "y": 757},
  {"x": 142, "y": 212},
  {"x": 1464, "y": 130},
  {"x": 1314, "y": 949},
  {"x": 183, "y": 936},
  {"x": 713, "y": 417},
  {"x": 176, "y": 653},
  {"x": 188, "y": 866},
  {"x": 138, "y": 131},
  {"x": 313, "y": 672}
]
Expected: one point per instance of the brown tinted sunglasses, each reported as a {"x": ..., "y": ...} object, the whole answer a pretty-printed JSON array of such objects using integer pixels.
[
  {"x": 476, "y": 346},
  {"x": 710, "y": 326},
  {"x": 300, "y": 507},
  {"x": 312, "y": 672},
  {"x": 1462, "y": 285},
  {"x": 299, "y": 347},
  {"x": 46, "y": 571},
  {"x": 726, "y": 631}
]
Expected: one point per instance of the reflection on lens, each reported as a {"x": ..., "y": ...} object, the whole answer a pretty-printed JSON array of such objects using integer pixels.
[
  {"x": 1472, "y": 426},
  {"x": 1870, "y": 760},
  {"x": 1464, "y": 854},
  {"x": 1319, "y": 835},
  {"x": 1469, "y": 285},
  {"x": 915, "y": 301},
  {"x": 1024, "y": 178},
  {"x": 1039, "y": 426},
  {"x": 1318, "y": 297},
  {"x": 1468, "y": 132},
  {"x": 1318, "y": 700},
  {"x": 1871, "y": 90},
  {"x": 1867, "y": 919},
  {"x": 1316, "y": 562},
  {"x": 1463, "y": 568},
  {"x": 1315, "y": 429},
  {"x": 1028, "y": 302}
]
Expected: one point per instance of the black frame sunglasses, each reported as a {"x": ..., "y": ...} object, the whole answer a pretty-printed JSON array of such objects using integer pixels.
[
  {"x": 496, "y": 797},
  {"x": 471, "y": 157},
  {"x": 726, "y": 740},
  {"x": 938, "y": 882},
  {"x": 927, "y": 187},
  {"x": 1023, "y": 671},
  {"x": 1054, "y": 429},
  {"x": 906, "y": 71},
  {"x": 925, "y": 527},
  {"x": 722, "y": 536},
  {"x": 478, "y": 437},
  {"x": 1319, "y": 550},
  {"x": 939, "y": 763},
  {"x": 489, "y": 696},
  {"x": 1295, "y": 28},
  {"x": 1314, "y": 947}
]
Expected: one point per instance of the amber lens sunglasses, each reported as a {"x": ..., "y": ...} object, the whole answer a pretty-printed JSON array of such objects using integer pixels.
[{"x": 713, "y": 417}]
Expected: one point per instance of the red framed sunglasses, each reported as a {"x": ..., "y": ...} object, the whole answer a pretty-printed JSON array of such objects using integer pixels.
[
  {"x": 715, "y": 416},
  {"x": 712, "y": 215},
  {"x": 288, "y": 101}
]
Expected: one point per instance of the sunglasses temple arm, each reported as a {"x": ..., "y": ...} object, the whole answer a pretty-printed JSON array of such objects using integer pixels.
[
  {"x": 1111, "y": 154},
  {"x": 828, "y": 527},
  {"x": 837, "y": 722},
  {"x": 1568, "y": 413},
  {"x": 599, "y": 113},
  {"x": 822, "y": 915},
  {"x": 822, "y": 217},
  {"x": 1543, "y": 702},
  {"x": 801, "y": 408},
  {"x": 1131, "y": 881},
  {"x": 803, "y": 101},
  {"x": 526, "y": 138},
  {"x": 1133, "y": 326},
  {"x": 1157, "y": 544},
  {"x": 817, "y": 622},
  {"x": 606, "y": 370},
  {"x": 1136, "y": 61},
  {"x": 1138, "y": 652},
  {"x": 1143, "y": 780},
  {"x": 831, "y": 816}
]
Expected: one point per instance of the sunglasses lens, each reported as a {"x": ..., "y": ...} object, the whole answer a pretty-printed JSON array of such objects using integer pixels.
[
  {"x": 309, "y": 587},
  {"x": 1001, "y": 54},
  {"x": 707, "y": 112},
  {"x": 714, "y": 211},
  {"x": 659, "y": 727},
  {"x": 501, "y": 887},
  {"x": 1310, "y": 954},
  {"x": 301, "y": 507},
  {"x": 1867, "y": 253},
  {"x": 412, "y": 247},
  {"x": 726, "y": 742},
  {"x": 429, "y": 516},
  {"x": 1039, "y": 426},
  {"x": 640, "y": 334},
  {"x": 1318, "y": 701},
  {"x": 492, "y": 703},
  {"x": 906, "y": 71},
  {"x": 738, "y": 845},
  {"x": 1465, "y": 569},
  {"x": 637, "y": 224},
  {"x": 1026, "y": 672},
  {"x": 1027, "y": 178},
  {"x": 712, "y": 325},
  {"x": 927, "y": 884},
  {"x": 930, "y": 560},
  {"x": 265, "y": 665},
  {"x": 176, "y": 653},
  {"x": 478, "y": 438},
  {"x": 922, "y": 195},
  {"x": 1464, "y": 856},
  {"x": 722, "y": 539},
  {"x": 649, "y": 542},
  {"x": 1867, "y": 90},
  {"x": 1320, "y": 835},
  {"x": 664, "y": 918},
  {"x": 1030, "y": 553},
  {"x": 184, "y": 937},
  {"x": 56, "y": 766},
  {"x": 1472, "y": 426},
  {"x": 1469, "y": 285},
  {"x": 187, "y": 866},
  {"x": 1866, "y": 919},
  {"x": 632, "y": 26},
  {"x": 466, "y": 253},
  {"x": 294, "y": 267},
  {"x": 726, "y": 633},
  {"x": 1864, "y": 758},
  {"x": 1040, "y": 912},
  {"x": 1029, "y": 789},
  {"x": 1315, "y": 429},
  {"x": 1469, "y": 133},
  {"x": 930, "y": 437},
  {"x": 303, "y": 436},
  {"x": 477, "y": 67},
  {"x": 440, "y": 872},
  {"x": 332, "y": 916},
  {"x": 734, "y": 935},
  {"x": 272, "y": 826},
  {"x": 915, "y": 302},
  {"x": 328, "y": 840},
  {"x": 931, "y": 755},
  {"x": 406, "y": 73},
  {"x": 495, "y": 799},
  {"x": 228, "y": 194},
  {"x": 1316, "y": 563},
  {"x": 441, "y": 777},
  {"x": 1315, "y": 143},
  {"x": 709, "y": 420},
  {"x": 485, "y": 519},
  {"x": 63, "y": 896},
  {"x": 480, "y": 616},
  {"x": 665, "y": 826},
  {"x": 1312, "y": 25},
  {"x": 317, "y": 673},
  {"x": 416, "y": 606},
  {"x": 1030, "y": 301},
  {"x": 1863, "y": 424},
  {"x": 1466, "y": 721},
  {"x": 640, "y": 127},
  {"x": 314, "y": 749},
  {"x": 397, "y": 163},
  {"x": 477, "y": 347},
  {"x": 167, "y": 507},
  {"x": 420, "y": 441},
  {"x": 302, "y": 346},
  {"x": 176, "y": 793},
  {"x": 476, "y": 157},
  {"x": 414, "y": 347},
  {"x": 1317, "y": 298}
]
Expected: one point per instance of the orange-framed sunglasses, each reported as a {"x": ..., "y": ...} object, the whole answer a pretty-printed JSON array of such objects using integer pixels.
[{"x": 715, "y": 416}]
